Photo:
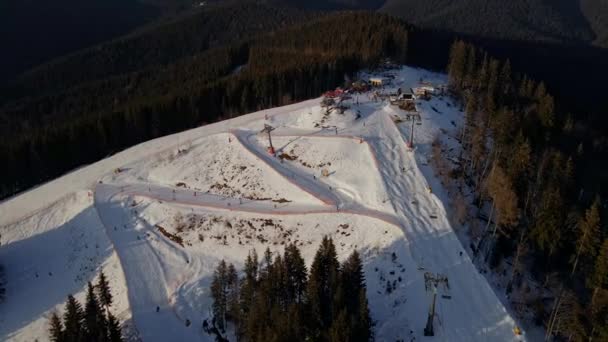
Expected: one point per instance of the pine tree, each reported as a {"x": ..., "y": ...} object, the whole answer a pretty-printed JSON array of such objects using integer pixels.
[
  {"x": 340, "y": 330},
  {"x": 456, "y": 65},
  {"x": 232, "y": 298},
  {"x": 353, "y": 282},
  {"x": 599, "y": 278},
  {"x": 470, "y": 68},
  {"x": 296, "y": 273},
  {"x": 504, "y": 198},
  {"x": 56, "y": 331},
  {"x": 588, "y": 240},
  {"x": 248, "y": 284},
  {"x": 364, "y": 324},
  {"x": 482, "y": 76},
  {"x": 94, "y": 318},
  {"x": 322, "y": 287},
  {"x": 489, "y": 105},
  {"x": 103, "y": 288},
  {"x": 73, "y": 320},
  {"x": 545, "y": 106},
  {"x": 114, "y": 331},
  {"x": 549, "y": 217},
  {"x": 219, "y": 293},
  {"x": 569, "y": 318}
]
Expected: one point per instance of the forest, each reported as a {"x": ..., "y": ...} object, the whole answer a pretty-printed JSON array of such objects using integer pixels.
[
  {"x": 46, "y": 135},
  {"x": 277, "y": 299},
  {"x": 526, "y": 163},
  {"x": 93, "y": 323},
  {"x": 570, "y": 22}
]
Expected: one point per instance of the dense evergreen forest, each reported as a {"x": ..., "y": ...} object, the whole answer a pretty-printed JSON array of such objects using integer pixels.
[
  {"x": 93, "y": 323},
  {"x": 525, "y": 159},
  {"x": 563, "y": 21},
  {"x": 36, "y": 31},
  {"x": 45, "y": 135},
  {"x": 279, "y": 300}
]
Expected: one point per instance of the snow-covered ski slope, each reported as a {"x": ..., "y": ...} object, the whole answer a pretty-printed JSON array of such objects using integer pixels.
[{"x": 159, "y": 216}]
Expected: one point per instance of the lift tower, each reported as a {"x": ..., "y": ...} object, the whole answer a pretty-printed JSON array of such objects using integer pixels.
[
  {"x": 431, "y": 282},
  {"x": 268, "y": 129}
]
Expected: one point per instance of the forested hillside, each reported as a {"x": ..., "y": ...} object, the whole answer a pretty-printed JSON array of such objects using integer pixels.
[
  {"x": 35, "y": 31},
  {"x": 50, "y": 133},
  {"x": 563, "y": 21},
  {"x": 164, "y": 43},
  {"x": 536, "y": 175}
]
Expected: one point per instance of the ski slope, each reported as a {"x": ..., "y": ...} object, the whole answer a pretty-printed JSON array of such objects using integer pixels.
[{"x": 218, "y": 191}]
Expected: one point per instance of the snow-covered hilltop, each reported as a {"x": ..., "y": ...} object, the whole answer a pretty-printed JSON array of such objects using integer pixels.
[{"x": 159, "y": 216}]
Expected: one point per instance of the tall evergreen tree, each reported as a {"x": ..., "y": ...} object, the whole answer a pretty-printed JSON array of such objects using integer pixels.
[
  {"x": 296, "y": 273},
  {"x": 114, "y": 331},
  {"x": 470, "y": 71},
  {"x": 322, "y": 287},
  {"x": 56, "y": 332},
  {"x": 94, "y": 318},
  {"x": 353, "y": 283},
  {"x": 599, "y": 278},
  {"x": 219, "y": 293},
  {"x": 232, "y": 298},
  {"x": 457, "y": 64},
  {"x": 73, "y": 320},
  {"x": 588, "y": 235},
  {"x": 103, "y": 288},
  {"x": 248, "y": 285},
  {"x": 340, "y": 330}
]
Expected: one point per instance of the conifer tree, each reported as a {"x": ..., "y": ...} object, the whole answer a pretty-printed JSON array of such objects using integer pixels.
[
  {"x": 470, "y": 67},
  {"x": 482, "y": 75},
  {"x": 219, "y": 293},
  {"x": 56, "y": 332},
  {"x": 599, "y": 278},
  {"x": 248, "y": 285},
  {"x": 295, "y": 269},
  {"x": 232, "y": 298},
  {"x": 489, "y": 105},
  {"x": 94, "y": 318},
  {"x": 456, "y": 65},
  {"x": 353, "y": 282},
  {"x": 322, "y": 286},
  {"x": 588, "y": 240},
  {"x": 546, "y": 230},
  {"x": 73, "y": 320},
  {"x": 364, "y": 325},
  {"x": 545, "y": 106},
  {"x": 340, "y": 330},
  {"x": 103, "y": 288},
  {"x": 114, "y": 331},
  {"x": 504, "y": 198}
]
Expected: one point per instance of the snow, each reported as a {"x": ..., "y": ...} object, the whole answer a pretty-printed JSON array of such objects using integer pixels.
[{"x": 217, "y": 190}]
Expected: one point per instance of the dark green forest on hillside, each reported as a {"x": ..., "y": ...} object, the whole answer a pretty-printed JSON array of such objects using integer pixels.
[
  {"x": 563, "y": 21},
  {"x": 47, "y": 134},
  {"x": 35, "y": 31},
  {"x": 526, "y": 165}
]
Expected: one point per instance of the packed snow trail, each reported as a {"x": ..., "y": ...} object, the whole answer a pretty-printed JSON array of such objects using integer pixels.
[
  {"x": 144, "y": 272},
  {"x": 437, "y": 249},
  {"x": 40, "y": 197}
]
